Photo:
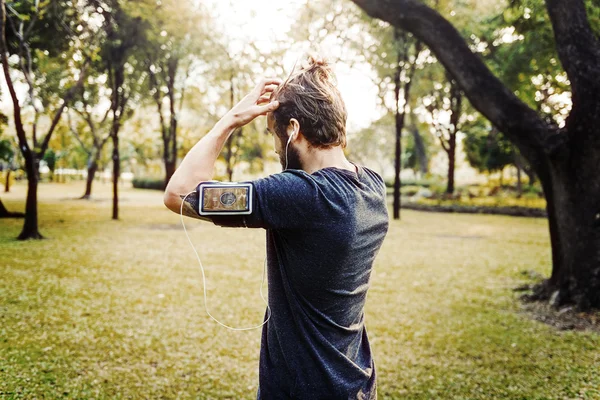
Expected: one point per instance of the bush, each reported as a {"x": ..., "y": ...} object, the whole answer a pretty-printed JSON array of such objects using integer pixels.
[
  {"x": 410, "y": 182},
  {"x": 409, "y": 190},
  {"x": 149, "y": 183}
]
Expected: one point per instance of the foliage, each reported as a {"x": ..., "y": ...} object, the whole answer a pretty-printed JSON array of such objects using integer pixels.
[
  {"x": 50, "y": 159},
  {"x": 488, "y": 151}
]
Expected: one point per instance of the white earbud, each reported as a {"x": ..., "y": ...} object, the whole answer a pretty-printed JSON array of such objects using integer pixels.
[{"x": 286, "y": 149}]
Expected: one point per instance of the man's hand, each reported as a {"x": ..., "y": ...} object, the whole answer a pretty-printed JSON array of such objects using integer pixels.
[{"x": 255, "y": 103}]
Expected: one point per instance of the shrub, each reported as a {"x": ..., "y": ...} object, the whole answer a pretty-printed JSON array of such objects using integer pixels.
[
  {"x": 149, "y": 183},
  {"x": 410, "y": 182},
  {"x": 409, "y": 190}
]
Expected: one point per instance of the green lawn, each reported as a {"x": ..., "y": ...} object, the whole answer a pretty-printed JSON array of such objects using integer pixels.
[{"x": 114, "y": 310}]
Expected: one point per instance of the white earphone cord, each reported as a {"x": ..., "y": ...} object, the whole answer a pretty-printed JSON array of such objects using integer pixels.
[{"x": 204, "y": 279}]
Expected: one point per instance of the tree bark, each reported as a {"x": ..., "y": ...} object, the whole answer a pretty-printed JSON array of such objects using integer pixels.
[
  {"x": 4, "y": 213},
  {"x": 30, "y": 227},
  {"x": 403, "y": 45},
  {"x": 399, "y": 123},
  {"x": 565, "y": 160},
  {"x": 519, "y": 184},
  {"x": 7, "y": 181},
  {"x": 168, "y": 131},
  {"x": 115, "y": 178},
  {"x": 91, "y": 173},
  {"x": 420, "y": 150},
  {"x": 451, "y": 163},
  {"x": 169, "y": 170}
]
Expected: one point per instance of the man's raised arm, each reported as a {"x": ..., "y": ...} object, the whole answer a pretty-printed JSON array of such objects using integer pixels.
[{"x": 198, "y": 164}]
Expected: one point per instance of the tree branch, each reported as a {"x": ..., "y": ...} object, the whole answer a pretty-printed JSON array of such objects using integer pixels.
[
  {"x": 485, "y": 91},
  {"x": 577, "y": 46},
  {"x": 66, "y": 99},
  {"x": 76, "y": 134},
  {"x": 23, "y": 145}
]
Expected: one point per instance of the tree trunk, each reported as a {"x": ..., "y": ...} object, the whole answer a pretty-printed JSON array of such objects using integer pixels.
[
  {"x": 451, "y": 163},
  {"x": 170, "y": 170},
  {"x": 530, "y": 175},
  {"x": 574, "y": 219},
  {"x": 397, "y": 164},
  {"x": 30, "y": 227},
  {"x": 91, "y": 173},
  {"x": 519, "y": 185},
  {"x": 4, "y": 213},
  {"x": 7, "y": 182},
  {"x": 116, "y": 172},
  {"x": 420, "y": 149}
]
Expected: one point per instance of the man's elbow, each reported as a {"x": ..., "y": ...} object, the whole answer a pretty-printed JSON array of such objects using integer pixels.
[{"x": 172, "y": 201}]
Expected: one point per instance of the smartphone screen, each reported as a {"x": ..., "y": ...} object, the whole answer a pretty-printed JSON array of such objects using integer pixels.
[{"x": 219, "y": 198}]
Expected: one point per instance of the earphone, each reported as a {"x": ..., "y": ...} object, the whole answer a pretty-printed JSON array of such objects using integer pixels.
[
  {"x": 202, "y": 268},
  {"x": 204, "y": 279},
  {"x": 286, "y": 150}
]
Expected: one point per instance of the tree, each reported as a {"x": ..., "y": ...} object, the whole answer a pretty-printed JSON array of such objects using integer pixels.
[
  {"x": 125, "y": 34},
  {"x": 95, "y": 127},
  {"x": 446, "y": 99},
  {"x": 565, "y": 158},
  {"x": 39, "y": 35},
  {"x": 177, "y": 39}
]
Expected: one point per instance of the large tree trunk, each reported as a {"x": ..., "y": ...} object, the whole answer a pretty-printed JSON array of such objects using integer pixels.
[
  {"x": 30, "y": 227},
  {"x": 572, "y": 193},
  {"x": 566, "y": 160}
]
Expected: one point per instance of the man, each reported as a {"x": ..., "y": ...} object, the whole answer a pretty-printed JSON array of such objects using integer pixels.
[{"x": 325, "y": 219}]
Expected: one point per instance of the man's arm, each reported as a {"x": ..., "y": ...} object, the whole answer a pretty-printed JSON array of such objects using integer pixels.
[{"x": 198, "y": 164}]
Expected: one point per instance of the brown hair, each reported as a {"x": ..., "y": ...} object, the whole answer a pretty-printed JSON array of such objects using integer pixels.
[{"x": 310, "y": 96}]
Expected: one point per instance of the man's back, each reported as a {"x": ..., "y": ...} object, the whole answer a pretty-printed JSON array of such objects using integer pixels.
[{"x": 325, "y": 231}]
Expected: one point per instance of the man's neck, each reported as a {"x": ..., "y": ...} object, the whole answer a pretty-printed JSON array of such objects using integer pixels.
[{"x": 323, "y": 158}]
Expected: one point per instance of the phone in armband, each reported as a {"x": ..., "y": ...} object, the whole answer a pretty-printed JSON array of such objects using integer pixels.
[{"x": 224, "y": 198}]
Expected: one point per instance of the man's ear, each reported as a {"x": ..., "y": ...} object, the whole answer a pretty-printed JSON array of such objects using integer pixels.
[{"x": 293, "y": 128}]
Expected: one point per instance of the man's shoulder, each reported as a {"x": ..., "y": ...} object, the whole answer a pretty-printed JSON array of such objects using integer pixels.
[{"x": 372, "y": 174}]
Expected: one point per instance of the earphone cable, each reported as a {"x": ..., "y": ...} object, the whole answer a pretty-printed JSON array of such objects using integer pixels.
[{"x": 204, "y": 279}]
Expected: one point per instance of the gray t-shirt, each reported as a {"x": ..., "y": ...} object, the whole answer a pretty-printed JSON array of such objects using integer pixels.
[{"x": 323, "y": 233}]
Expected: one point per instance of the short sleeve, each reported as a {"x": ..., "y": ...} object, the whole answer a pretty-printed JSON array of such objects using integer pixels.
[{"x": 280, "y": 201}]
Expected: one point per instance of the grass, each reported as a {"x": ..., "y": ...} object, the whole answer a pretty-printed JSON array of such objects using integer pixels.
[{"x": 114, "y": 310}]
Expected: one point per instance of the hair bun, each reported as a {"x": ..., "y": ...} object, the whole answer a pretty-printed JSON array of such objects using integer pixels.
[{"x": 315, "y": 63}]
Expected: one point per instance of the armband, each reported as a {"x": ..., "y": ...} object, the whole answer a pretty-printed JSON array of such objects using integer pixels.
[{"x": 224, "y": 198}]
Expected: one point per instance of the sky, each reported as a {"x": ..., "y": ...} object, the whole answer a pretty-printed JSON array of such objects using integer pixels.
[{"x": 261, "y": 21}]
